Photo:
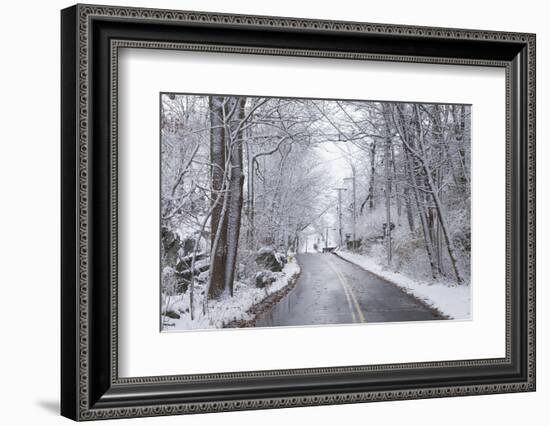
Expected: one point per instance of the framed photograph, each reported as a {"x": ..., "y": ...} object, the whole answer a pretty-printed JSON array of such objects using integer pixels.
[{"x": 263, "y": 212}]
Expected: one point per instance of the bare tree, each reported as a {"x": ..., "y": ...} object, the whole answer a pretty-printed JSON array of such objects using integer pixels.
[
  {"x": 235, "y": 190},
  {"x": 218, "y": 227}
]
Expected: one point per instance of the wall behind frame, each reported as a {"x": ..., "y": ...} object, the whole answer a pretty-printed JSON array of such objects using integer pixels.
[{"x": 29, "y": 217}]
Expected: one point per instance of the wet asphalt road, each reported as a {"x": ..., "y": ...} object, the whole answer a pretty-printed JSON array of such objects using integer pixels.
[{"x": 331, "y": 290}]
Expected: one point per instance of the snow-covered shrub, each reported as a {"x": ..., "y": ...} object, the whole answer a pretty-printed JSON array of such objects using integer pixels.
[
  {"x": 171, "y": 244},
  {"x": 169, "y": 282},
  {"x": 267, "y": 258},
  {"x": 281, "y": 257},
  {"x": 265, "y": 278},
  {"x": 171, "y": 314}
]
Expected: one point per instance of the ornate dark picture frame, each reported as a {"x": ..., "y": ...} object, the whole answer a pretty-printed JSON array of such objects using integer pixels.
[{"x": 91, "y": 36}]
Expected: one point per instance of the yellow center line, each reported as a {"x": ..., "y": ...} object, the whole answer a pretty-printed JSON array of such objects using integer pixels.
[
  {"x": 352, "y": 294},
  {"x": 346, "y": 292},
  {"x": 350, "y": 305},
  {"x": 349, "y": 294}
]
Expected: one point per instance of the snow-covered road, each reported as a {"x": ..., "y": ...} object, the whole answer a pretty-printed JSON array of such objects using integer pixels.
[{"x": 331, "y": 290}]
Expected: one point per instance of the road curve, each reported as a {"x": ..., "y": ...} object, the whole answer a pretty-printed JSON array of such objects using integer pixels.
[{"x": 331, "y": 290}]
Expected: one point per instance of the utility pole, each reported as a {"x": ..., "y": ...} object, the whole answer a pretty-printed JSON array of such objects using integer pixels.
[
  {"x": 354, "y": 204},
  {"x": 340, "y": 213},
  {"x": 326, "y": 238}
]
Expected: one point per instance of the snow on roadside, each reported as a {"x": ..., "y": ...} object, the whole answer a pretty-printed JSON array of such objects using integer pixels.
[
  {"x": 451, "y": 300},
  {"x": 226, "y": 309}
]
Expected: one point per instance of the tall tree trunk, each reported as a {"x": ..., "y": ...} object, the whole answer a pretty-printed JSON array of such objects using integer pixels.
[
  {"x": 250, "y": 195},
  {"x": 387, "y": 172},
  {"x": 437, "y": 136},
  {"x": 235, "y": 191},
  {"x": 218, "y": 224},
  {"x": 422, "y": 216},
  {"x": 397, "y": 118},
  {"x": 462, "y": 139},
  {"x": 372, "y": 173},
  {"x": 445, "y": 228},
  {"x": 407, "y": 194},
  {"x": 431, "y": 216},
  {"x": 396, "y": 182}
]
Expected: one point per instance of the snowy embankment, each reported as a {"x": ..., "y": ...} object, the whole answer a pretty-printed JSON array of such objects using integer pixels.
[
  {"x": 451, "y": 300},
  {"x": 227, "y": 309}
]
